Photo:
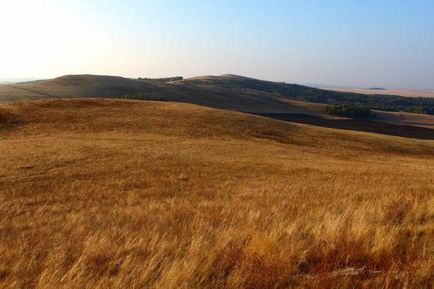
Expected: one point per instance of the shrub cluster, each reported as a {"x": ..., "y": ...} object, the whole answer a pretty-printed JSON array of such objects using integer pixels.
[
  {"x": 353, "y": 111},
  {"x": 164, "y": 79}
]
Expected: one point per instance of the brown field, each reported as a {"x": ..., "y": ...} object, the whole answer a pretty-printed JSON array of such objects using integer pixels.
[{"x": 134, "y": 194}]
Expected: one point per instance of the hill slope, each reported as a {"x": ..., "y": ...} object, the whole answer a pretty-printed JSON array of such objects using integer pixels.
[
  {"x": 111, "y": 193},
  {"x": 112, "y": 86},
  {"x": 228, "y": 92},
  {"x": 310, "y": 94},
  {"x": 235, "y": 88},
  {"x": 79, "y": 86}
]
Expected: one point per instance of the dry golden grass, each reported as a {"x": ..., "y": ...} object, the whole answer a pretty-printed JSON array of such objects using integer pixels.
[{"x": 129, "y": 194}]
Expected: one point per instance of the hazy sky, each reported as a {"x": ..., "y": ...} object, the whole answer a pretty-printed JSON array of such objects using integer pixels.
[{"x": 387, "y": 43}]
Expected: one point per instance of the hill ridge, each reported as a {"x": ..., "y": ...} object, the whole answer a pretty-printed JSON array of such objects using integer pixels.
[{"x": 233, "y": 92}]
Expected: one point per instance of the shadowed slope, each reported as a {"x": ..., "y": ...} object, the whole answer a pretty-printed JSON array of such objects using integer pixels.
[
  {"x": 111, "y": 86},
  {"x": 310, "y": 94},
  {"x": 375, "y": 126}
]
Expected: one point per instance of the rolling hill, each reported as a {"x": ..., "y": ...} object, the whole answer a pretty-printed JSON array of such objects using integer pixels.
[
  {"x": 290, "y": 102},
  {"x": 242, "y": 93},
  {"x": 112, "y": 86},
  {"x": 310, "y": 94},
  {"x": 138, "y": 194}
]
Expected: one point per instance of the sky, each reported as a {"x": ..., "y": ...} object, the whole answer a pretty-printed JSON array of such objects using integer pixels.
[{"x": 381, "y": 43}]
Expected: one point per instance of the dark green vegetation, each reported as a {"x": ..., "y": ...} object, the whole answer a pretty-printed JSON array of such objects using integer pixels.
[
  {"x": 352, "y": 111},
  {"x": 164, "y": 79},
  {"x": 310, "y": 94}
]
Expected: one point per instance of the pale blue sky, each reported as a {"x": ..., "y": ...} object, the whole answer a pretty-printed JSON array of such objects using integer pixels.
[{"x": 336, "y": 42}]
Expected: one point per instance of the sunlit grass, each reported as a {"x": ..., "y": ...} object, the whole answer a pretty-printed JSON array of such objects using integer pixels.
[{"x": 125, "y": 194}]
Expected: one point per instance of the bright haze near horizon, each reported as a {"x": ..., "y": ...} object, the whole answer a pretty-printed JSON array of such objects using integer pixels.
[{"x": 373, "y": 43}]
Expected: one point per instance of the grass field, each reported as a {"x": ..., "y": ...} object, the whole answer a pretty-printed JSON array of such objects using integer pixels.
[{"x": 131, "y": 194}]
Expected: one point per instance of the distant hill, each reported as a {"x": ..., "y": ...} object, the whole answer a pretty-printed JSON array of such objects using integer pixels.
[
  {"x": 291, "y": 102},
  {"x": 384, "y": 91},
  {"x": 149, "y": 89},
  {"x": 81, "y": 86},
  {"x": 226, "y": 91},
  {"x": 310, "y": 94}
]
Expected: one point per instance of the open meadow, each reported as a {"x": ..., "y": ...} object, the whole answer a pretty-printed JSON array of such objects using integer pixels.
[{"x": 134, "y": 194}]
